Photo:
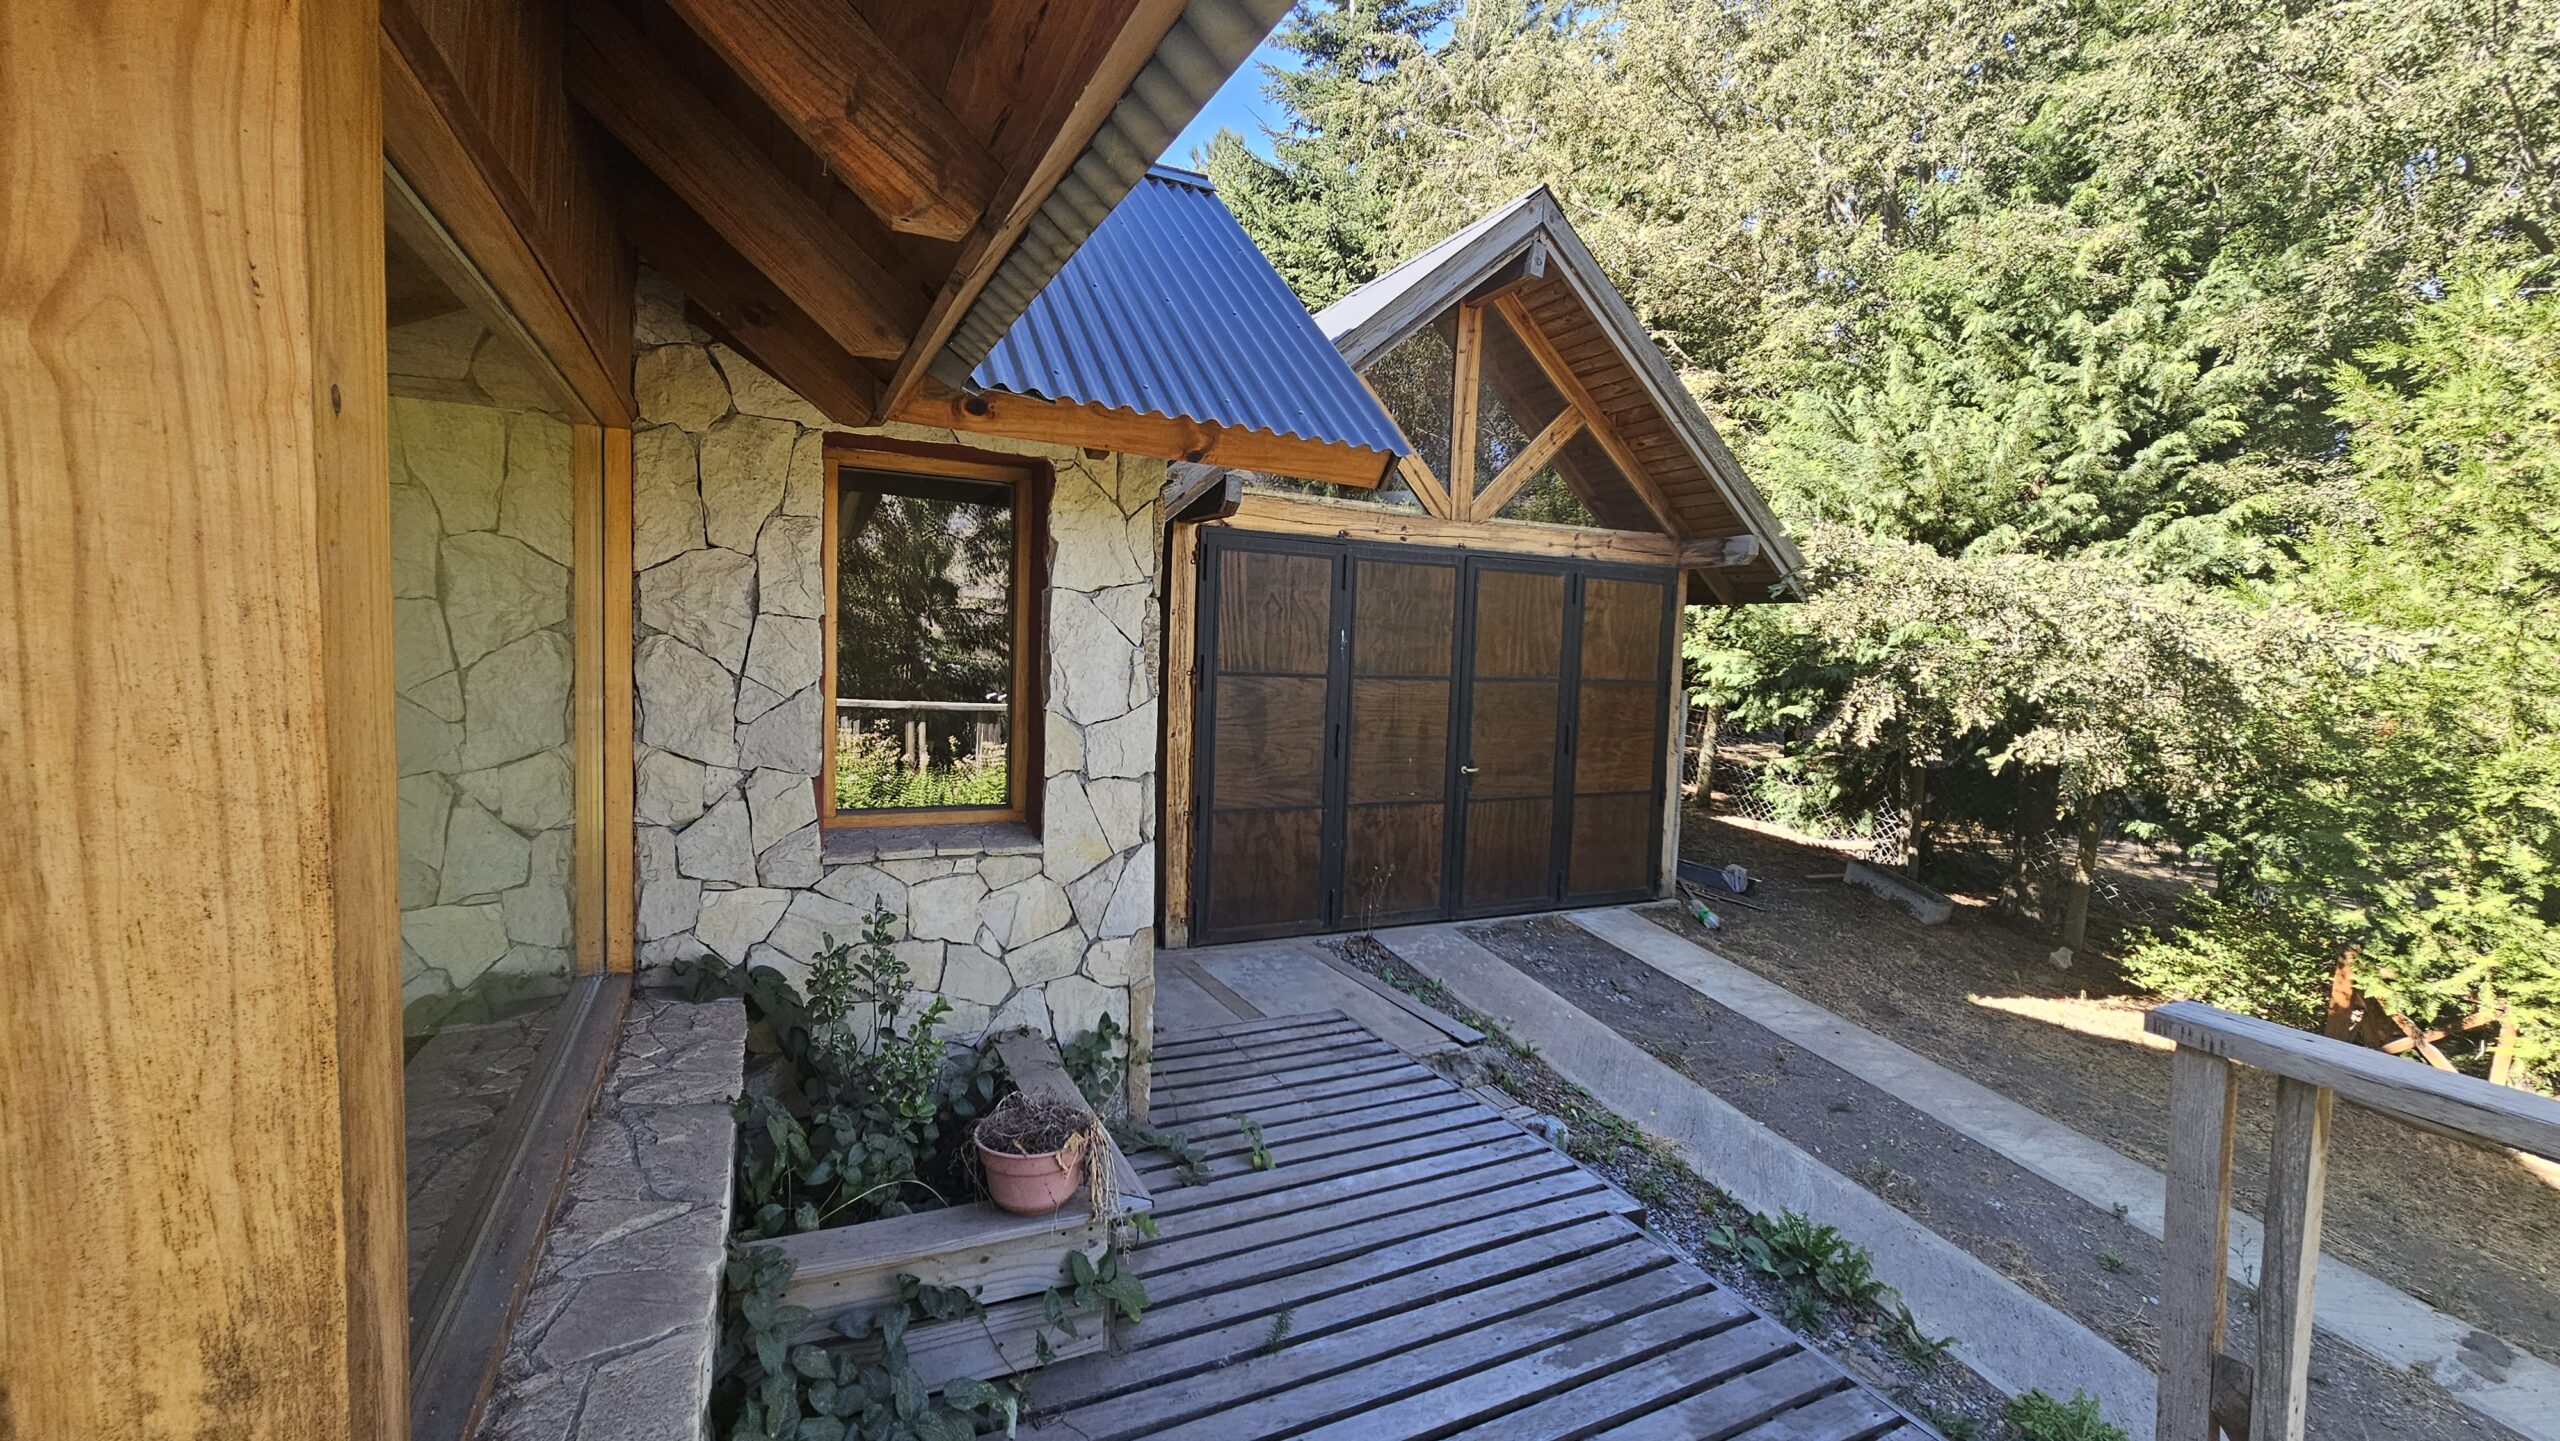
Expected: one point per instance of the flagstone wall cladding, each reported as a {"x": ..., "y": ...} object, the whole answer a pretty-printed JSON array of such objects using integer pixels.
[{"x": 1049, "y": 930}]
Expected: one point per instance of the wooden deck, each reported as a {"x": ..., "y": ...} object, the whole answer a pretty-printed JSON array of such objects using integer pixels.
[{"x": 1416, "y": 1266}]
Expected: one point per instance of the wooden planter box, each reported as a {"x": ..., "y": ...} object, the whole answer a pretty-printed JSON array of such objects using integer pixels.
[{"x": 1006, "y": 1261}]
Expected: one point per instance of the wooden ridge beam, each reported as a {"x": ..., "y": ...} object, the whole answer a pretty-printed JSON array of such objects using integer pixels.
[
  {"x": 675, "y": 130},
  {"x": 1526, "y": 464},
  {"x": 848, "y": 93},
  {"x": 743, "y": 308},
  {"x": 1065, "y": 423},
  {"x": 1575, "y": 391}
]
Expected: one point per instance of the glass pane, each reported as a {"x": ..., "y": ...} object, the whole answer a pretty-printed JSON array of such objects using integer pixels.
[
  {"x": 1549, "y": 499},
  {"x": 1391, "y": 493},
  {"x": 482, "y": 495},
  {"x": 924, "y": 641},
  {"x": 1416, "y": 381},
  {"x": 1514, "y": 399}
]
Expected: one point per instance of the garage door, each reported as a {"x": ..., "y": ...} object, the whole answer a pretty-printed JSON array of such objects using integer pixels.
[{"x": 1389, "y": 734}]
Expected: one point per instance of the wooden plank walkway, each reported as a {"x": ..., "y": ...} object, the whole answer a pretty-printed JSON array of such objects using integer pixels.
[{"x": 1440, "y": 1271}]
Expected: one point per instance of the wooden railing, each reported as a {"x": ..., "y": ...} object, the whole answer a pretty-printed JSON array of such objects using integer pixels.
[{"x": 2202, "y": 1389}]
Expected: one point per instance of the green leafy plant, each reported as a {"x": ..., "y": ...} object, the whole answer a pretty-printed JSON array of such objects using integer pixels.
[
  {"x": 1099, "y": 1065},
  {"x": 1819, "y": 1267},
  {"x": 1190, "y": 1158},
  {"x": 771, "y": 1384},
  {"x": 2038, "y": 1417},
  {"x": 1252, "y": 1129},
  {"x": 1280, "y": 1327},
  {"x": 1954, "y": 1425},
  {"x": 1089, "y": 1287}
]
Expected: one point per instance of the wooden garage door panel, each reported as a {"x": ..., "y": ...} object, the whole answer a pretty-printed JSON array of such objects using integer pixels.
[
  {"x": 1511, "y": 739},
  {"x": 1405, "y": 618},
  {"x": 1617, "y": 737},
  {"x": 1508, "y": 845},
  {"x": 1399, "y": 740},
  {"x": 1269, "y": 741},
  {"x": 1391, "y": 863},
  {"x": 1274, "y": 610},
  {"x": 1622, "y": 629},
  {"x": 1519, "y": 623},
  {"x": 1265, "y": 870},
  {"x": 1612, "y": 844}
]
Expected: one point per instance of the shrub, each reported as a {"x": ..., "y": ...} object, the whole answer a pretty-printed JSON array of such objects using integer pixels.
[{"x": 2038, "y": 1417}]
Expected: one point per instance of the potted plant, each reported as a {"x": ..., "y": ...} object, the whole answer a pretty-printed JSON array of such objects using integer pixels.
[{"x": 1034, "y": 1150}]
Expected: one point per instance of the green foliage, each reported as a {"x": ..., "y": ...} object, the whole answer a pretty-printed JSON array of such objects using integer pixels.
[
  {"x": 1190, "y": 1158},
  {"x": 864, "y": 1108},
  {"x": 872, "y": 774},
  {"x": 2038, "y": 1417},
  {"x": 1090, "y": 1287},
  {"x": 1098, "y": 1062},
  {"x": 1819, "y": 1267},
  {"x": 1280, "y": 1327},
  {"x": 1954, "y": 1425},
  {"x": 1252, "y": 1130},
  {"x": 2163, "y": 393},
  {"x": 770, "y": 1386}
]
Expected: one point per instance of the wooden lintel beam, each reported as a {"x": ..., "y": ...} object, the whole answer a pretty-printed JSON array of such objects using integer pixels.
[
  {"x": 1571, "y": 387},
  {"x": 849, "y": 94},
  {"x": 617, "y": 76},
  {"x": 1724, "y": 554},
  {"x": 1023, "y": 417},
  {"x": 742, "y": 307},
  {"x": 1526, "y": 464}
]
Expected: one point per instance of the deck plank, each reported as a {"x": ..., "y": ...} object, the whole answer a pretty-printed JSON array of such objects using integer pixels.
[{"x": 1442, "y": 1272}]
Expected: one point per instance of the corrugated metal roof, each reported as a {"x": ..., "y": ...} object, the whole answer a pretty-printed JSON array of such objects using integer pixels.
[
  {"x": 1206, "y": 44},
  {"x": 1168, "y": 309}
]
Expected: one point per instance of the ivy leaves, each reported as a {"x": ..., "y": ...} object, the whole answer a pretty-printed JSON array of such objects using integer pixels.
[{"x": 793, "y": 1390}]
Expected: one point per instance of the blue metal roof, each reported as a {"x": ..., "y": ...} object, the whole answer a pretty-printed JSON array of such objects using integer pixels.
[{"x": 1170, "y": 310}]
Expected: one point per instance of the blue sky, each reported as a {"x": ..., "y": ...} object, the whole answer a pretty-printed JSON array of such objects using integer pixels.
[{"x": 1237, "y": 106}]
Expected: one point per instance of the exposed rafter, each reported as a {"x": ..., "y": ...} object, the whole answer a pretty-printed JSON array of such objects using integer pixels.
[
  {"x": 742, "y": 307},
  {"x": 1571, "y": 387},
  {"x": 850, "y": 95},
  {"x": 1527, "y": 463},
  {"x": 1426, "y": 487},
  {"x": 675, "y": 130}
]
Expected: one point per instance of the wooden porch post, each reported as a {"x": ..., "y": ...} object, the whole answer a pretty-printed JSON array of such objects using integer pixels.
[
  {"x": 2204, "y": 1104},
  {"x": 199, "y": 1042}
]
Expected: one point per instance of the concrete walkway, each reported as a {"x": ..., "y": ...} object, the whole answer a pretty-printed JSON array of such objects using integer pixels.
[{"x": 2512, "y": 1387}]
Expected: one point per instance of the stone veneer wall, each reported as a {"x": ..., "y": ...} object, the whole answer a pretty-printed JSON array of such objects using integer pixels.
[{"x": 1049, "y": 930}]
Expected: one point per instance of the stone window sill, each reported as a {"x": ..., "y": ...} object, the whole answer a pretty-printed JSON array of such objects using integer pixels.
[{"x": 865, "y": 845}]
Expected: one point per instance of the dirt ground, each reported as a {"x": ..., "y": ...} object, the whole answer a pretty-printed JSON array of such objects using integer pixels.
[
  {"x": 2091, "y": 1265},
  {"x": 2474, "y": 1232}
]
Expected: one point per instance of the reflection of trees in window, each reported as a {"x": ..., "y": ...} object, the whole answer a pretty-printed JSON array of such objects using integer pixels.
[
  {"x": 1417, "y": 380},
  {"x": 1548, "y": 498},
  {"x": 924, "y": 622},
  {"x": 1514, "y": 399}
]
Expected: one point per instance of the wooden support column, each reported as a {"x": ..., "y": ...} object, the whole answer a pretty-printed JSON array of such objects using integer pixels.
[
  {"x": 1463, "y": 419},
  {"x": 2297, "y": 1188},
  {"x": 199, "y": 1048},
  {"x": 2204, "y": 1102}
]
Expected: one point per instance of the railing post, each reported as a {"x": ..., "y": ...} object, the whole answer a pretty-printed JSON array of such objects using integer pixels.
[
  {"x": 2297, "y": 1185},
  {"x": 2204, "y": 1101}
]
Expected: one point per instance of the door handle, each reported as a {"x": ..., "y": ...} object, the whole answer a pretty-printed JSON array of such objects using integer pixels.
[{"x": 1466, "y": 770}]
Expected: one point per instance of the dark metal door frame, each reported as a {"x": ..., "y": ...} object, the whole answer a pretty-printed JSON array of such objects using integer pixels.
[{"x": 1217, "y": 541}]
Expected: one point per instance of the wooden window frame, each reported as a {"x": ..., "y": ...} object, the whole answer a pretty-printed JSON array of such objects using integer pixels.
[{"x": 1032, "y": 481}]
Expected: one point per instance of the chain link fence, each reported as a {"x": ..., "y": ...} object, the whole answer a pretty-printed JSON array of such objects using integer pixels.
[{"x": 1738, "y": 776}]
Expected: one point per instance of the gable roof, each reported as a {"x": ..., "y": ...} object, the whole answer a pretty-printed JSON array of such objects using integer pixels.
[
  {"x": 1168, "y": 309},
  {"x": 1583, "y": 318}
]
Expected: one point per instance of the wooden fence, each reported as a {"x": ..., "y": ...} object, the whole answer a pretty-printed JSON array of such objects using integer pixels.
[{"x": 2203, "y": 1389}]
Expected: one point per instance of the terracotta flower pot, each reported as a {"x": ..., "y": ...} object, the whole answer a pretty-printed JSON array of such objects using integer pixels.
[{"x": 1033, "y": 1185}]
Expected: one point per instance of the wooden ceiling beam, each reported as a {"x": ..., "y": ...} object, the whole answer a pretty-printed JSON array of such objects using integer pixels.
[
  {"x": 675, "y": 130},
  {"x": 742, "y": 307},
  {"x": 1527, "y": 463},
  {"x": 1573, "y": 390},
  {"x": 848, "y": 93},
  {"x": 1079, "y": 112},
  {"x": 1057, "y": 422}
]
